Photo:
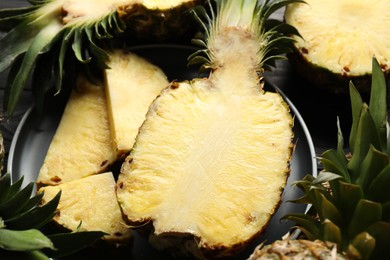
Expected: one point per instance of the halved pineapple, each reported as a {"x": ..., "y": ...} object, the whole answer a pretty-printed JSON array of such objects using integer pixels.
[
  {"x": 89, "y": 204},
  {"x": 43, "y": 34},
  {"x": 339, "y": 39},
  {"x": 132, "y": 83},
  {"x": 211, "y": 160},
  {"x": 82, "y": 144}
]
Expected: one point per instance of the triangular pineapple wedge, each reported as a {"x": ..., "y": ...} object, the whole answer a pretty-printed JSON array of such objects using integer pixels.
[
  {"x": 132, "y": 83},
  {"x": 82, "y": 144},
  {"x": 211, "y": 160},
  {"x": 89, "y": 204}
]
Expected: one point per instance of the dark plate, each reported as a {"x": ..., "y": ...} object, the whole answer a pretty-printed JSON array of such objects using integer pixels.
[{"x": 35, "y": 131}]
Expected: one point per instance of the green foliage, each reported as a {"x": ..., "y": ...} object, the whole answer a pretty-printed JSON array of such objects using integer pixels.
[{"x": 354, "y": 210}]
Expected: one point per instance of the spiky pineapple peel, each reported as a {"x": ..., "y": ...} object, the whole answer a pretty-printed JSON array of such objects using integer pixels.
[
  {"x": 354, "y": 212},
  {"x": 42, "y": 35}
]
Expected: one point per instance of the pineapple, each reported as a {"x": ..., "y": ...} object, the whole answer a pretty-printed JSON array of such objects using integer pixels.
[
  {"x": 43, "y": 34},
  {"x": 89, "y": 204},
  {"x": 82, "y": 144},
  {"x": 21, "y": 221},
  {"x": 210, "y": 162},
  {"x": 132, "y": 83},
  {"x": 338, "y": 40},
  {"x": 350, "y": 197}
]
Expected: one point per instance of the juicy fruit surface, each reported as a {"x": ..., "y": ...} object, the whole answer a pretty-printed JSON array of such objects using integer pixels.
[
  {"x": 342, "y": 36},
  {"x": 213, "y": 165},
  {"x": 82, "y": 143},
  {"x": 91, "y": 202},
  {"x": 132, "y": 83}
]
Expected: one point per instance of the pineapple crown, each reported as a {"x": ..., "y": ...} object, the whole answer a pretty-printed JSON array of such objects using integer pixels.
[
  {"x": 351, "y": 196},
  {"x": 272, "y": 36},
  {"x": 38, "y": 41}
]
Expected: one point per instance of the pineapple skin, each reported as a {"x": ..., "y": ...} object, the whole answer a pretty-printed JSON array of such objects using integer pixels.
[
  {"x": 131, "y": 85},
  {"x": 82, "y": 144},
  {"x": 90, "y": 204},
  {"x": 297, "y": 249}
]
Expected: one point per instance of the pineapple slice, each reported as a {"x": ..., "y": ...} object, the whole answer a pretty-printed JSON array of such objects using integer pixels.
[
  {"x": 48, "y": 29},
  {"x": 339, "y": 39},
  {"x": 132, "y": 83},
  {"x": 211, "y": 160},
  {"x": 82, "y": 144},
  {"x": 89, "y": 204}
]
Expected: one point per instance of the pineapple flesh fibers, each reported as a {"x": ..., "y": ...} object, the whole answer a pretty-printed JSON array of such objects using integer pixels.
[
  {"x": 89, "y": 204},
  {"x": 132, "y": 83},
  {"x": 82, "y": 144},
  {"x": 340, "y": 38},
  {"x": 212, "y": 157}
]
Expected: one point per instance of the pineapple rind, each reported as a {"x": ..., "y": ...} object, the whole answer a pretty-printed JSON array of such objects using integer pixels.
[
  {"x": 82, "y": 144},
  {"x": 131, "y": 84},
  {"x": 89, "y": 204},
  {"x": 297, "y": 249}
]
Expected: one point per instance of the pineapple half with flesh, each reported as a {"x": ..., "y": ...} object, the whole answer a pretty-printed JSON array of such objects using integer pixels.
[
  {"x": 45, "y": 32},
  {"x": 211, "y": 160},
  {"x": 89, "y": 204},
  {"x": 82, "y": 144},
  {"x": 351, "y": 198},
  {"x": 338, "y": 40},
  {"x": 131, "y": 85}
]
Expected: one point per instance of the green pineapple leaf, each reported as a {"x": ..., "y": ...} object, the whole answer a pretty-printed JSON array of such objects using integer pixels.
[
  {"x": 36, "y": 217},
  {"x": 371, "y": 166},
  {"x": 310, "y": 225},
  {"x": 378, "y": 189},
  {"x": 331, "y": 232},
  {"x": 347, "y": 196},
  {"x": 366, "y": 136},
  {"x": 356, "y": 106},
  {"x": 16, "y": 202},
  {"x": 24, "y": 240},
  {"x": 334, "y": 163},
  {"x": 362, "y": 246},
  {"x": 378, "y": 104},
  {"x": 366, "y": 214},
  {"x": 381, "y": 232},
  {"x": 69, "y": 243}
]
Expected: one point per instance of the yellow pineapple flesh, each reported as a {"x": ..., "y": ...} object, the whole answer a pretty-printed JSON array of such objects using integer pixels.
[
  {"x": 82, "y": 144},
  {"x": 132, "y": 83},
  {"x": 89, "y": 204}
]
